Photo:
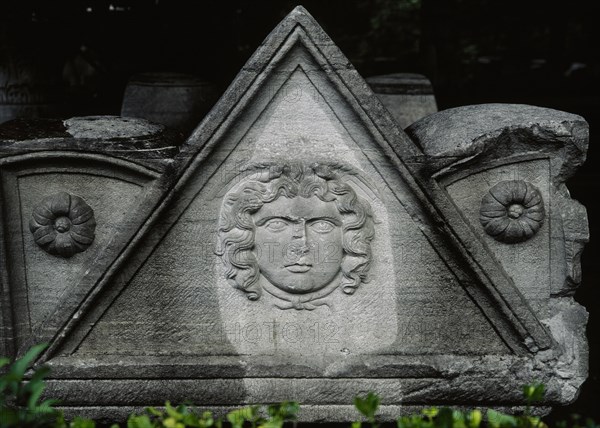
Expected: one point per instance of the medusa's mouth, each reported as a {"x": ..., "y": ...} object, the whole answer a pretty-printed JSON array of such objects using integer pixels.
[{"x": 299, "y": 267}]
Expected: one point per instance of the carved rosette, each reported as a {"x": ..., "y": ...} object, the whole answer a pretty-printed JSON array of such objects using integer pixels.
[
  {"x": 512, "y": 211},
  {"x": 63, "y": 224}
]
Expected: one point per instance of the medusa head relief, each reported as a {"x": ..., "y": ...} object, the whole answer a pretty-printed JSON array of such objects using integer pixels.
[{"x": 297, "y": 231}]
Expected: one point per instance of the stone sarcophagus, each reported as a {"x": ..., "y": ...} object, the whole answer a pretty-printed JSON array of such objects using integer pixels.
[{"x": 298, "y": 246}]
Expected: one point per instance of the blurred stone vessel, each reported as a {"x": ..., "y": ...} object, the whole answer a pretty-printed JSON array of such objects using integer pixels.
[
  {"x": 408, "y": 96},
  {"x": 177, "y": 100}
]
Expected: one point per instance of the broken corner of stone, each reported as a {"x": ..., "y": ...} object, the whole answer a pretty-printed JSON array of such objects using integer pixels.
[{"x": 298, "y": 246}]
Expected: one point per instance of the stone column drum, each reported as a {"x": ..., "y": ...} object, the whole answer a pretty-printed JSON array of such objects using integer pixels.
[{"x": 408, "y": 96}]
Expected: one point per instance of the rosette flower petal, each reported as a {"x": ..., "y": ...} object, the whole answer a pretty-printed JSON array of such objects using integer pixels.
[
  {"x": 63, "y": 224},
  {"x": 512, "y": 211}
]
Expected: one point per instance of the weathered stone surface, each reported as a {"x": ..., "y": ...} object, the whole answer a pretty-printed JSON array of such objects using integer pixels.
[
  {"x": 541, "y": 146},
  {"x": 408, "y": 96},
  {"x": 109, "y": 128},
  {"x": 136, "y": 140},
  {"x": 69, "y": 205},
  {"x": 299, "y": 245}
]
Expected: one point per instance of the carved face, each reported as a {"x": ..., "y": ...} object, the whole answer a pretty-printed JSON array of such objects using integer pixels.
[
  {"x": 297, "y": 231},
  {"x": 298, "y": 243}
]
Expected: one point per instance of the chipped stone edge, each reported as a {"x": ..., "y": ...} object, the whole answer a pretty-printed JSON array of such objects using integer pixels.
[{"x": 452, "y": 142}]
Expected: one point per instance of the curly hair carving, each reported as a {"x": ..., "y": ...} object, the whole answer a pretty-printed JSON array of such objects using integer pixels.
[{"x": 236, "y": 229}]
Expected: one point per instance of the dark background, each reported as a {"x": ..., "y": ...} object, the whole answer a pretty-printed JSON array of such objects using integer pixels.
[{"x": 81, "y": 54}]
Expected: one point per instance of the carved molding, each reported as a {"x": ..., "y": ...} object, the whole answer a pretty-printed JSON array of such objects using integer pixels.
[
  {"x": 63, "y": 224},
  {"x": 512, "y": 211}
]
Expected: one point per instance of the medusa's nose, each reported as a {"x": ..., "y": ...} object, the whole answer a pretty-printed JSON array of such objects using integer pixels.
[
  {"x": 299, "y": 230},
  {"x": 299, "y": 238}
]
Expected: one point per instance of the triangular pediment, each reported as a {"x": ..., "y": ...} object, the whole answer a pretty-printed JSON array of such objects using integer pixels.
[{"x": 298, "y": 100}]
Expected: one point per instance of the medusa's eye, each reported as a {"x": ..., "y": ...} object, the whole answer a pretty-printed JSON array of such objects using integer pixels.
[
  {"x": 322, "y": 226},
  {"x": 276, "y": 225}
]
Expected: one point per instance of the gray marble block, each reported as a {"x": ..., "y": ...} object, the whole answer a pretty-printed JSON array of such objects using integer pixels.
[
  {"x": 298, "y": 245},
  {"x": 408, "y": 96}
]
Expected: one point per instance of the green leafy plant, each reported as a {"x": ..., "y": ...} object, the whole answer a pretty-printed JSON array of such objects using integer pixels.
[
  {"x": 77, "y": 422},
  {"x": 448, "y": 418},
  {"x": 532, "y": 393},
  {"x": 578, "y": 422},
  {"x": 367, "y": 406},
  {"x": 181, "y": 416},
  {"x": 238, "y": 417},
  {"x": 184, "y": 416},
  {"x": 278, "y": 414},
  {"x": 442, "y": 418},
  {"x": 13, "y": 391},
  {"x": 281, "y": 413}
]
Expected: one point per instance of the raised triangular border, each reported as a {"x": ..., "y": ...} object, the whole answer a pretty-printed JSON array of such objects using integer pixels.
[{"x": 462, "y": 250}]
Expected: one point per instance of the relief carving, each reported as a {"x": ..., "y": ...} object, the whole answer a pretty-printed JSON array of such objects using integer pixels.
[
  {"x": 512, "y": 211},
  {"x": 63, "y": 224},
  {"x": 297, "y": 231}
]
